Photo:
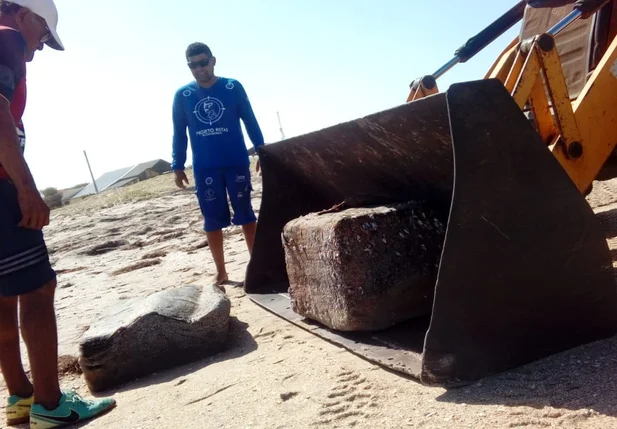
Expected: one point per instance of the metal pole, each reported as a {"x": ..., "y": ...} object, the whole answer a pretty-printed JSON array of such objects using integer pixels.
[
  {"x": 446, "y": 67},
  {"x": 561, "y": 25},
  {"x": 484, "y": 38},
  {"x": 91, "y": 175},
  {"x": 280, "y": 126}
]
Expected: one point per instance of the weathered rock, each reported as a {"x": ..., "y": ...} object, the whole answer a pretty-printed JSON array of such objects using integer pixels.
[
  {"x": 364, "y": 269},
  {"x": 164, "y": 330}
]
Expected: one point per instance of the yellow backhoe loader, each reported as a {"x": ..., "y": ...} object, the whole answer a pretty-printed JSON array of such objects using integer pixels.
[{"x": 525, "y": 269}]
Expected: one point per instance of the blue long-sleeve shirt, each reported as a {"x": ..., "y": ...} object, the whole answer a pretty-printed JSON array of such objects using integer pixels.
[{"x": 212, "y": 116}]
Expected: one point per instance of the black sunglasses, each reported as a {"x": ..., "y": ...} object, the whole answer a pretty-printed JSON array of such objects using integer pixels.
[
  {"x": 47, "y": 37},
  {"x": 202, "y": 63}
]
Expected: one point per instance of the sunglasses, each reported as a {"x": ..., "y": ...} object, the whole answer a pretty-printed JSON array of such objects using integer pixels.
[
  {"x": 47, "y": 37},
  {"x": 202, "y": 63}
]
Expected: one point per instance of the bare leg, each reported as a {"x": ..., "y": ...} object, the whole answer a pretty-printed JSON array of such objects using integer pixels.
[
  {"x": 215, "y": 242},
  {"x": 38, "y": 327},
  {"x": 10, "y": 356},
  {"x": 249, "y": 234}
]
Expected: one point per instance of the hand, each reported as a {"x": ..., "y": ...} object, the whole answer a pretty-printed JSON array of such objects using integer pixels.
[
  {"x": 34, "y": 211},
  {"x": 258, "y": 167},
  {"x": 180, "y": 178}
]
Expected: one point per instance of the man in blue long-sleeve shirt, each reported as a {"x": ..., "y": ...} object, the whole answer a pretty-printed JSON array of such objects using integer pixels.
[{"x": 211, "y": 108}]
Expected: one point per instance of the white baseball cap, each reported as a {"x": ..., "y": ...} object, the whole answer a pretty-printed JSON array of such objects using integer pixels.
[{"x": 46, "y": 9}]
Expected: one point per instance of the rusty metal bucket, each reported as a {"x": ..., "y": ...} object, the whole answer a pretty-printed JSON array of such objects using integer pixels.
[{"x": 525, "y": 270}]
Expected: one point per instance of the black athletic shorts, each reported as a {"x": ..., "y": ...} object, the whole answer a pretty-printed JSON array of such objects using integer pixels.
[{"x": 24, "y": 261}]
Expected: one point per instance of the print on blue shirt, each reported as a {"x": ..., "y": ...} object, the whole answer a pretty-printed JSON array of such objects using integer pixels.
[{"x": 212, "y": 116}]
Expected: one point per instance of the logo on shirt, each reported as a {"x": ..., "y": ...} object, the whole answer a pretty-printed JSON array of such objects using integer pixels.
[
  {"x": 209, "y": 110},
  {"x": 210, "y": 195},
  {"x": 230, "y": 85}
]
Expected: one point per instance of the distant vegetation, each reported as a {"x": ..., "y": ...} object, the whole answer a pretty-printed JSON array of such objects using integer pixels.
[{"x": 52, "y": 197}]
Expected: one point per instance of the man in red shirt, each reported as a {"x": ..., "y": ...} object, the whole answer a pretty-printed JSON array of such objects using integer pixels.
[{"x": 26, "y": 275}]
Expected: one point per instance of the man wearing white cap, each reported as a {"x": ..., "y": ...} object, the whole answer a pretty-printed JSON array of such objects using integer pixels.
[{"x": 26, "y": 275}]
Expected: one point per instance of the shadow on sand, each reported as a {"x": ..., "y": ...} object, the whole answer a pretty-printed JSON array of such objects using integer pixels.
[
  {"x": 608, "y": 219},
  {"x": 581, "y": 378}
]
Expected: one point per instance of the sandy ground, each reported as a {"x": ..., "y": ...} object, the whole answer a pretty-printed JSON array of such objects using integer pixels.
[{"x": 276, "y": 375}]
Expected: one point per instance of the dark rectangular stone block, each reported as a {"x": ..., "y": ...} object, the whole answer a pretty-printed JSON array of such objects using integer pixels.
[{"x": 364, "y": 268}]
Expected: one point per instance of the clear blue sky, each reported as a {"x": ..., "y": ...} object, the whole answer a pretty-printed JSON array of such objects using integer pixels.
[{"x": 318, "y": 62}]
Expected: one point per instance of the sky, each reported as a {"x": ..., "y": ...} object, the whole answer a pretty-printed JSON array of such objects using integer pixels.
[{"x": 317, "y": 63}]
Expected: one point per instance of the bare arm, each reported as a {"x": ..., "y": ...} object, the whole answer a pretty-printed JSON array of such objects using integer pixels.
[
  {"x": 11, "y": 157},
  {"x": 35, "y": 213}
]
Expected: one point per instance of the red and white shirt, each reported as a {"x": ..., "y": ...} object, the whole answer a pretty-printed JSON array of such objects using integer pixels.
[{"x": 13, "y": 79}]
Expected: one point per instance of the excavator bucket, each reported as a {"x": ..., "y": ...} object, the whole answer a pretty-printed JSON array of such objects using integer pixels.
[{"x": 525, "y": 270}]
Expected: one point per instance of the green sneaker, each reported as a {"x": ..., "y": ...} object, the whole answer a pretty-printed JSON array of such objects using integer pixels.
[
  {"x": 72, "y": 409},
  {"x": 18, "y": 410}
]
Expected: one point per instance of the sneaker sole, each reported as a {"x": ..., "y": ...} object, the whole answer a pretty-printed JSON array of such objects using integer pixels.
[
  {"x": 15, "y": 422},
  {"x": 101, "y": 414}
]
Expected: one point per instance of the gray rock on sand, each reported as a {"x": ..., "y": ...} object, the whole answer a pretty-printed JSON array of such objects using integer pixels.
[{"x": 166, "y": 329}]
